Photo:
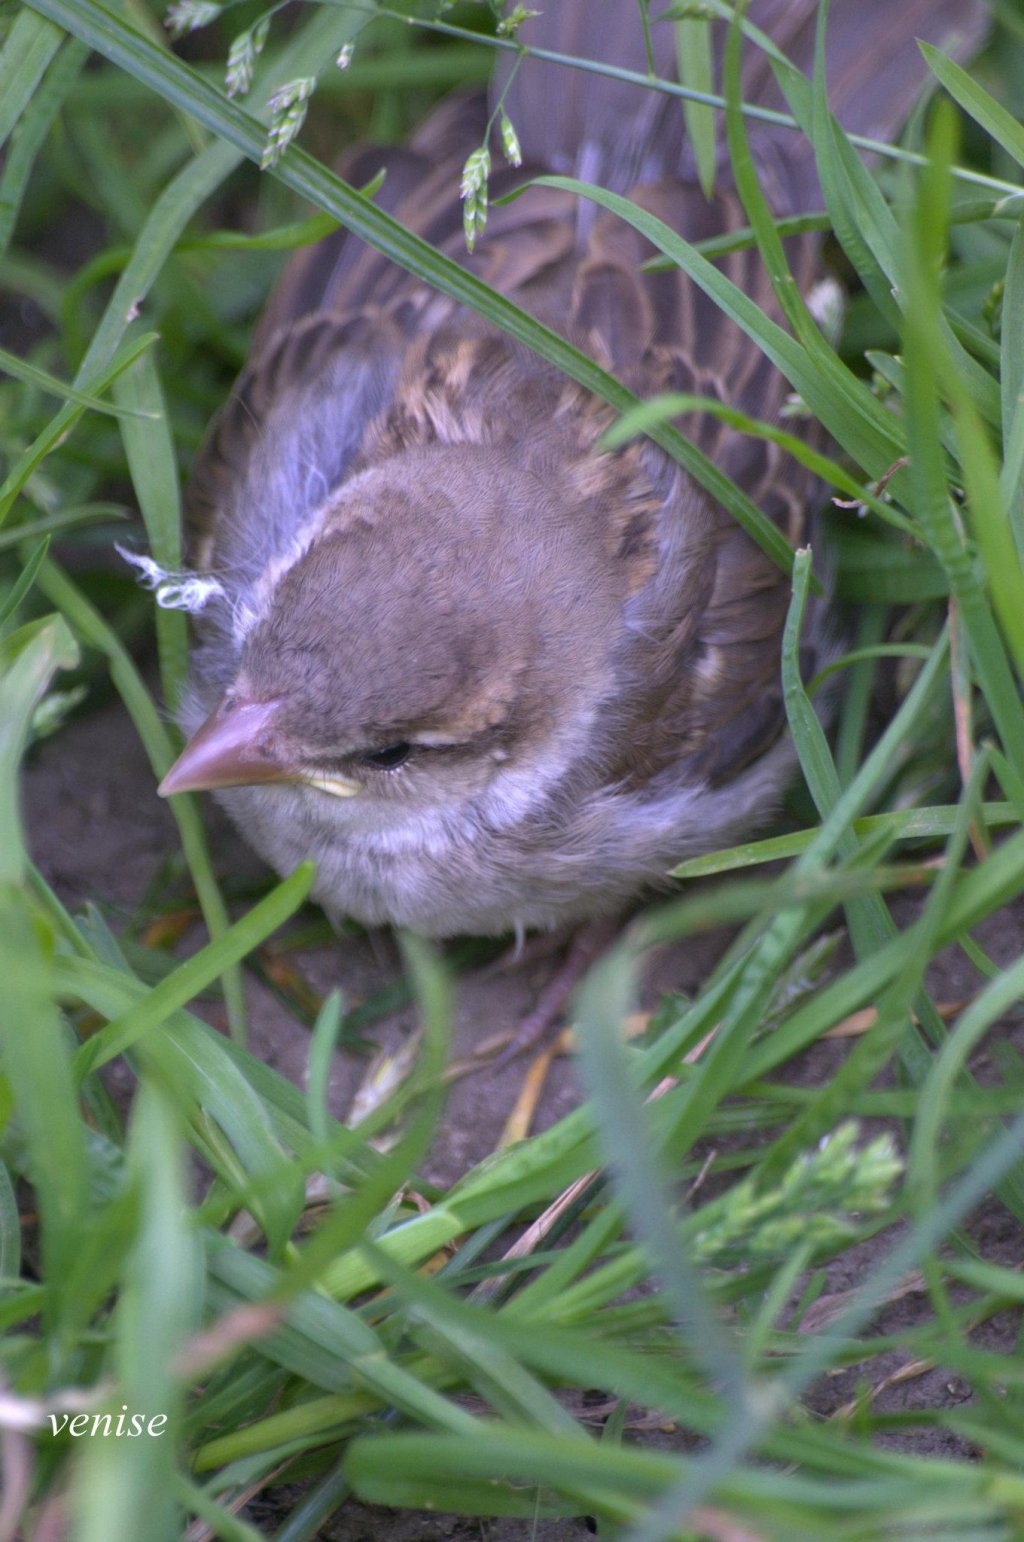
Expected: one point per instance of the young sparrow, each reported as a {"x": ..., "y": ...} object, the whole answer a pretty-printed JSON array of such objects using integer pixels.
[{"x": 489, "y": 675}]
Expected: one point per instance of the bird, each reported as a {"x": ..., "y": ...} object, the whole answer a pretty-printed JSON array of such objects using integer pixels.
[{"x": 492, "y": 676}]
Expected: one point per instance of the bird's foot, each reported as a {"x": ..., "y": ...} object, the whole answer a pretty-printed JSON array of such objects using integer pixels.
[
  {"x": 587, "y": 944},
  {"x": 538, "y": 948}
]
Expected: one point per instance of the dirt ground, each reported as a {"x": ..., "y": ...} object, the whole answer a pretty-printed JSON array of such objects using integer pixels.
[{"x": 98, "y": 832}]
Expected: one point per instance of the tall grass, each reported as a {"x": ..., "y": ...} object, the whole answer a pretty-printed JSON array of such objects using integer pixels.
[{"x": 336, "y": 1345}]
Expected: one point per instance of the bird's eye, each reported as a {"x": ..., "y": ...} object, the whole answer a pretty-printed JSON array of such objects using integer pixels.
[{"x": 389, "y": 758}]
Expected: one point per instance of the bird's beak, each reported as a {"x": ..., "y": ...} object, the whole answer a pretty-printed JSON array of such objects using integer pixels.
[{"x": 236, "y": 747}]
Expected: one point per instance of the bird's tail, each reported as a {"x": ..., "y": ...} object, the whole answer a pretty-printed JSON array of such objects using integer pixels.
[{"x": 618, "y": 133}]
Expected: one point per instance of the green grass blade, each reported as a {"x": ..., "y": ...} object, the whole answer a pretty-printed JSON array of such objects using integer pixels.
[
  {"x": 638, "y": 1170},
  {"x": 33, "y": 1047},
  {"x": 928, "y": 364},
  {"x": 26, "y": 578},
  {"x": 95, "y": 633},
  {"x": 899, "y": 825},
  {"x": 36, "y": 122},
  {"x": 695, "y": 63},
  {"x": 10, "y": 1228},
  {"x": 29, "y": 658},
  {"x": 1011, "y": 478},
  {"x": 58, "y": 427},
  {"x": 869, "y": 921},
  {"x": 662, "y": 409},
  {"x": 32, "y": 375},
  {"x": 125, "y": 1486},
  {"x": 30, "y": 46},
  {"x": 861, "y": 219},
  {"x": 977, "y": 102},
  {"x": 196, "y": 1065},
  {"x": 868, "y": 434},
  {"x": 154, "y": 471},
  {"x": 191, "y": 977},
  {"x": 869, "y": 232},
  {"x": 992, "y": 525}
]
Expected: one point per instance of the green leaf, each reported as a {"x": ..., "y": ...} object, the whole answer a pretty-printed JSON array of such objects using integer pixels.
[
  {"x": 29, "y": 658},
  {"x": 899, "y": 825},
  {"x": 35, "y": 123},
  {"x": 96, "y": 633},
  {"x": 696, "y": 70},
  {"x": 200, "y": 1068},
  {"x": 929, "y": 366},
  {"x": 977, "y": 102},
  {"x": 58, "y": 427},
  {"x": 992, "y": 526},
  {"x": 32, "y": 375},
  {"x": 661, "y": 409},
  {"x": 10, "y": 1228},
  {"x": 26, "y": 578},
  {"x": 283, "y": 238},
  {"x": 34, "y": 1052},
  {"x": 639, "y": 1171},
  {"x": 1011, "y": 480},
  {"x": 126, "y": 1486},
  {"x": 844, "y": 405},
  {"x": 861, "y": 219},
  {"x": 31, "y": 44},
  {"x": 154, "y": 470},
  {"x": 191, "y": 977}
]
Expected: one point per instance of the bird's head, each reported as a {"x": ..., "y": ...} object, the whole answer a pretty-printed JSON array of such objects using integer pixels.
[{"x": 441, "y": 624}]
